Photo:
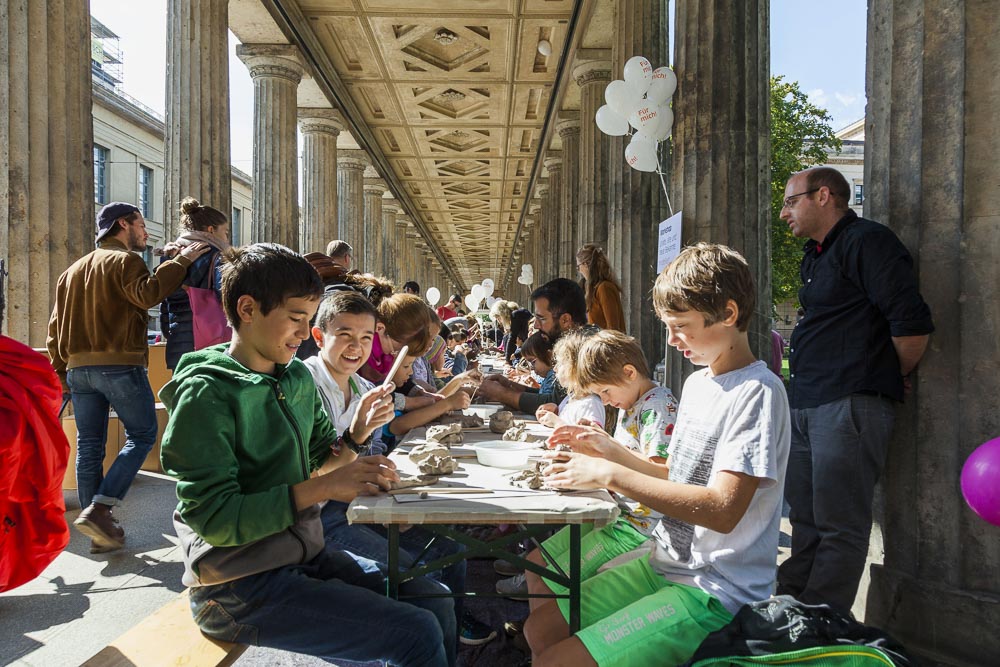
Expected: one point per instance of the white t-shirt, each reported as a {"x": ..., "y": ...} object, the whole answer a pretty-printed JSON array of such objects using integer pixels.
[
  {"x": 573, "y": 410},
  {"x": 646, "y": 427},
  {"x": 341, "y": 411},
  {"x": 736, "y": 422}
]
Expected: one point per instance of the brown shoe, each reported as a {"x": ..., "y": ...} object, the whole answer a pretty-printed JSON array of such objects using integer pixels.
[
  {"x": 96, "y": 548},
  {"x": 97, "y": 523}
]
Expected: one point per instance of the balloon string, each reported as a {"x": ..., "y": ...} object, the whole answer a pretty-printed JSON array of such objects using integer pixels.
[{"x": 666, "y": 194}]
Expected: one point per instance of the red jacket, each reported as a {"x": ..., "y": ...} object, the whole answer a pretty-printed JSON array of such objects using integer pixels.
[{"x": 33, "y": 455}]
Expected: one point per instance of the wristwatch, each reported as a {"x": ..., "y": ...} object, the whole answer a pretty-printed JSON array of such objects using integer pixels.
[{"x": 346, "y": 440}]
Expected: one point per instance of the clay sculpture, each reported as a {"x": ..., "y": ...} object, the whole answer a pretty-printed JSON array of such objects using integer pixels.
[
  {"x": 445, "y": 434},
  {"x": 433, "y": 459},
  {"x": 472, "y": 421},
  {"x": 501, "y": 420},
  {"x": 519, "y": 433}
]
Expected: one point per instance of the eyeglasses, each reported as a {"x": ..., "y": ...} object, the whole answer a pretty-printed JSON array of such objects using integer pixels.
[{"x": 790, "y": 199}]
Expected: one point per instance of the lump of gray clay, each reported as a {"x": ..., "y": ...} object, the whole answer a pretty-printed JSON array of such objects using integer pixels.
[
  {"x": 519, "y": 433},
  {"x": 471, "y": 421},
  {"x": 445, "y": 434},
  {"x": 501, "y": 420},
  {"x": 433, "y": 459}
]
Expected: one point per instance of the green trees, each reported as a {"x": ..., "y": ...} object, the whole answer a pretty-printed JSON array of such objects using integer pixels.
[{"x": 800, "y": 137}]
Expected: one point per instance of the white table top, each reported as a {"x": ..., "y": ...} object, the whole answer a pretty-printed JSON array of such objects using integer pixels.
[{"x": 502, "y": 503}]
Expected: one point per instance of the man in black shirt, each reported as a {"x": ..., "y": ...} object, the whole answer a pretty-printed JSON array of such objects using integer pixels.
[
  {"x": 560, "y": 307},
  {"x": 864, "y": 330}
]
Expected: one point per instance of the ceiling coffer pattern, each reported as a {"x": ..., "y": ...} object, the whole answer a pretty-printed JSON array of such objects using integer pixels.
[{"x": 456, "y": 95}]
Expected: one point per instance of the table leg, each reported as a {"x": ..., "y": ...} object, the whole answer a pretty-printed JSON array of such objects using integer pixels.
[
  {"x": 392, "y": 582},
  {"x": 574, "y": 578}
]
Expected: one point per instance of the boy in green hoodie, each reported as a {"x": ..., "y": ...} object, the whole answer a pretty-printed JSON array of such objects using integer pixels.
[{"x": 254, "y": 454}]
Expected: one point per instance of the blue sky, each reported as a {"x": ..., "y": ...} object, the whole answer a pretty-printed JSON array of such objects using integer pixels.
[{"x": 819, "y": 43}]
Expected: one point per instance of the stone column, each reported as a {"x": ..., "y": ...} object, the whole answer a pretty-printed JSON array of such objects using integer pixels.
[
  {"x": 374, "y": 189},
  {"x": 351, "y": 165},
  {"x": 46, "y": 156},
  {"x": 533, "y": 253},
  {"x": 721, "y": 144},
  {"x": 544, "y": 267},
  {"x": 276, "y": 72},
  {"x": 402, "y": 256},
  {"x": 320, "y": 129},
  {"x": 636, "y": 200},
  {"x": 553, "y": 254},
  {"x": 196, "y": 132},
  {"x": 593, "y": 77},
  {"x": 931, "y": 140},
  {"x": 391, "y": 266},
  {"x": 570, "y": 238}
]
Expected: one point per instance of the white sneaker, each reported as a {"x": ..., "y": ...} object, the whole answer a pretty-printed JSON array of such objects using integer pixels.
[{"x": 515, "y": 588}]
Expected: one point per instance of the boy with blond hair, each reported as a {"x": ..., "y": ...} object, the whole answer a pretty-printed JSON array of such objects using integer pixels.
[
  {"x": 612, "y": 366},
  {"x": 719, "y": 493}
]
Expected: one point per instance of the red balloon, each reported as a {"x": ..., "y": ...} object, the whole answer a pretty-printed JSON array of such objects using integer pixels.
[{"x": 981, "y": 481}]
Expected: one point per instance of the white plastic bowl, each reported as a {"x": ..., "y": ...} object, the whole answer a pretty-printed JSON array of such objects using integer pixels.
[{"x": 504, "y": 454}]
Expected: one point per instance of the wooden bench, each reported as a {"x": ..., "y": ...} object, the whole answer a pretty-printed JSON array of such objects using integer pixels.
[{"x": 167, "y": 637}]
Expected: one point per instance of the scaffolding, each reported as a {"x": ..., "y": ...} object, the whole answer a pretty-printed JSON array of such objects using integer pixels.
[{"x": 105, "y": 55}]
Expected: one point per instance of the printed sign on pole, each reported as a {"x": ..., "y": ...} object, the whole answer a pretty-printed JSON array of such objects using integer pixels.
[{"x": 669, "y": 241}]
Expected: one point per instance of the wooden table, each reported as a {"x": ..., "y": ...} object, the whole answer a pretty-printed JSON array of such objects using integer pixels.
[{"x": 533, "y": 511}]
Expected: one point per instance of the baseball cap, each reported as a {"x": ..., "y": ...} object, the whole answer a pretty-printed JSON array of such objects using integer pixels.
[{"x": 109, "y": 215}]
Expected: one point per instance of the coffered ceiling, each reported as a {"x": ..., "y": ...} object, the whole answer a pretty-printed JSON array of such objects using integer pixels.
[{"x": 455, "y": 95}]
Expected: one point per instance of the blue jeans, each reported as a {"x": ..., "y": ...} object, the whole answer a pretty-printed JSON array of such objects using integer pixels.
[
  {"x": 370, "y": 541},
  {"x": 126, "y": 389},
  {"x": 837, "y": 454},
  {"x": 334, "y": 607}
]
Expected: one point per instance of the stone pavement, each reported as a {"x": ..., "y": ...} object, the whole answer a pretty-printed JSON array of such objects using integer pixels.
[{"x": 84, "y": 601}]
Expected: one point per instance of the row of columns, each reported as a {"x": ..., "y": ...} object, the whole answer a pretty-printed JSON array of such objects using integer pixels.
[
  {"x": 590, "y": 195},
  {"x": 46, "y": 144}
]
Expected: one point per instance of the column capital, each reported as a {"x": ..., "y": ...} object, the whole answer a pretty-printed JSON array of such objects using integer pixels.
[
  {"x": 271, "y": 60},
  {"x": 391, "y": 205},
  {"x": 320, "y": 121},
  {"x": 352, "y": 159},
  {"x": 568, "y": 127},
  {"x": 375, "y": 186},
  {"x": 592, "y": 71},
  {"x": 553, "y": 162}
]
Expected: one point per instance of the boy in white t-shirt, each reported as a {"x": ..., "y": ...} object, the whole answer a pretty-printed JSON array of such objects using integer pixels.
[
  {"x": 716, "y": 545},
  {"x": 344, "y": 331}
]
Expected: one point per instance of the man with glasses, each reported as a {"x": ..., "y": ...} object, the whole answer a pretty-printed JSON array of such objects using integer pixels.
[
  {"x": 341, "y": 252},
  {"x": 560, "y": 306},
  {"x": 864, "y": 329}
]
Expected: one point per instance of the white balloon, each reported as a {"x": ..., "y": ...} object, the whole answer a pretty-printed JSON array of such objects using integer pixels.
[
  {"x": 645, "y": 119},
  {"x": 641, "y": 154},
  {"x": 663, "y": 85},
  {"x": 477, "y": 293},
  {"x": 490, "y": 300},
  {"x": 433, "y": 296},
  {"x": 472, "y": 303},
  {"x": 666, "y": 125},
  {"x": 525, "y": 266},
  {"x": 524, "y": 280},
  {"x": 488, "y": 286},
  {"x": 638, "y": 74},
  {"x": 619, "y": 97},
  {"x": 527, "y": 269},
  {"x": 610, "y": 122}
]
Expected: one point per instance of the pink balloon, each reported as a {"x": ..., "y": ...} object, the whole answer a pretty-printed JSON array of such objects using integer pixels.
[{"x": 981, "y": 481}]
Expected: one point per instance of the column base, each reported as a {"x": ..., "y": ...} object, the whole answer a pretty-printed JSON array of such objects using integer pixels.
[{"x": 938, "y": 624}]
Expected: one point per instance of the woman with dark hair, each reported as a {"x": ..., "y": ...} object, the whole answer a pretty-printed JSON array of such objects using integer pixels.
[
  {"x": 603, "y": 293},
  {"x": 191, "y": 318}
]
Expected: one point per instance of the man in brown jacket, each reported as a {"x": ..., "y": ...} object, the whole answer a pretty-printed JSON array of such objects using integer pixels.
[{"x": 97, "y": 344}]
